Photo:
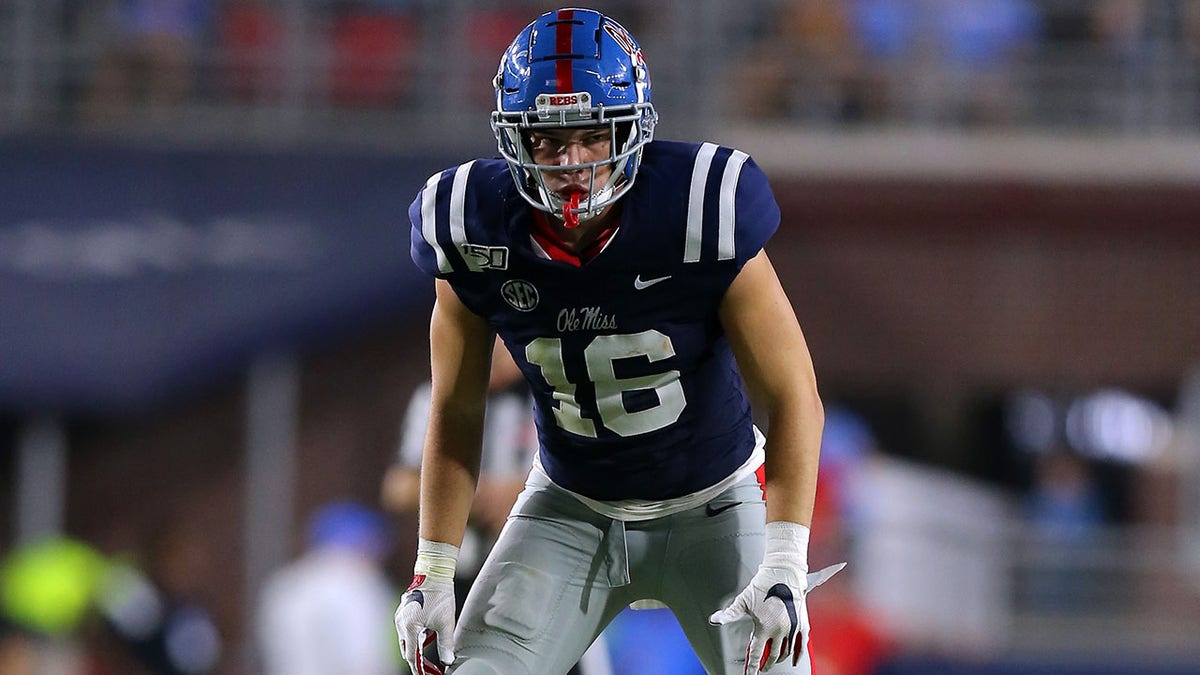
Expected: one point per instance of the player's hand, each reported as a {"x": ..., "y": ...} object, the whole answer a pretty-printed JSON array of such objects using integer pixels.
[
  {"x": 774, "y": 600},
  {"x": 425, "y": 614}
]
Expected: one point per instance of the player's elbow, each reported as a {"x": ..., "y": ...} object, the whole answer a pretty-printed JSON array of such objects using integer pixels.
[
  {"x": 794, "y": 393},
  {"x": 814, "y": 409}
]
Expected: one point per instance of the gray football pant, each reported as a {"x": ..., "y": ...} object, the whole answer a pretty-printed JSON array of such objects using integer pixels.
[{"x": 560, "y": 572}]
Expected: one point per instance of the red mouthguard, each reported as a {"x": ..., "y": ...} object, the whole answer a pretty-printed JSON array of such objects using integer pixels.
[{"x": 571, "y": 211}]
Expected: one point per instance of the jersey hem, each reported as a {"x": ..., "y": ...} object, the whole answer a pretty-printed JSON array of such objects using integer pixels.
[{"x": 634, "y": 510}]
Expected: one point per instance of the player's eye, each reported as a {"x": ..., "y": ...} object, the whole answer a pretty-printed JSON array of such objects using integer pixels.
[{"x": 541, "y": 143}]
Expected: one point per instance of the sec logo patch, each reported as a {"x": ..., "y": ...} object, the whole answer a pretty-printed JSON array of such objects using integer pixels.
[{"x": 519, "y": 294}]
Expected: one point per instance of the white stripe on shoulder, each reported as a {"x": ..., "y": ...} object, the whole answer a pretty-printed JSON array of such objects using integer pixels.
[
  {"x": 429, "y": 221},
  {"x": 695, "y": 213},
  {"x": 729, "y": 181},
  {"x": 458, "y": 216}
]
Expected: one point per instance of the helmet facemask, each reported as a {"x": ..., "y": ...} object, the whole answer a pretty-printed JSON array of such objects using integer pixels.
[{"x": 629, "y": 127}]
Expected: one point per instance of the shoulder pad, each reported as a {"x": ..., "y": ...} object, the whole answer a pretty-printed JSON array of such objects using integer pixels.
[
  {"x": 447, "y": 232},
  {"x": 731, "y": 211}
]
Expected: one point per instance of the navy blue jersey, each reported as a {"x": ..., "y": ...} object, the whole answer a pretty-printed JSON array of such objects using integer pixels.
[{"x": 636, "y": 392}]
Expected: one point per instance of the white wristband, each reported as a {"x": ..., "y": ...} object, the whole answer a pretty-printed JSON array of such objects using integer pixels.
[
  {"x": 436, "y": 560},
  {"x": 787, "y": 550}
]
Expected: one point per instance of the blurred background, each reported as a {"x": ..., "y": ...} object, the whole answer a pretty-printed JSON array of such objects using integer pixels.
[{"x": 210, "y": 328}]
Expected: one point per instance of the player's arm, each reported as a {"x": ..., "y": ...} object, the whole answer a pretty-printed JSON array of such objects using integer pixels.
[
  {"x": 461, "y": 353},
  {"x": 773, "y": 358},
  {"x": 776, "y": 366},
  {"x": 460, "y": 357}
]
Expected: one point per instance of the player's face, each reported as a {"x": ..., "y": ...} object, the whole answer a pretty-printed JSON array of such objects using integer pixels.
[{"x": 565, "y": 147}]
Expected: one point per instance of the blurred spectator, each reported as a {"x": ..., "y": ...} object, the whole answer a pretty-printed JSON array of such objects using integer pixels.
[
  {"x": 160, "y": 617},
  {"x": 150, "y": 58},
  {"x": 885, "y": 29},
  {"x": 979, "y": 45},
  {"x": 49, "y": 589},
  {"x": 374, "y": 49},
  {"x": 18, "y": 650},
  {"x": 836, "y": 62},
  {"x": 1063, "y": 55},
  {"x": 1120, "y": 25},
  {"x": 1189, "y": 28},
  {"x": 1064, "y": 503},
  {"x": 828, "y": 86},
  {"x": 805, "y": 67},
  {"x": 944, "y": 61},
  {"x": 330, "y": 611},
  {"x": 1120, "y": 30},
  {"x": 1064, "y": 511},
  {"x": 885, "y": 34},
  {"x": 249, "y": 39}
]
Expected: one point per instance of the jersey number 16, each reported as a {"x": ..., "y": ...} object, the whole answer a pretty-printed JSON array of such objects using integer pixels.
[{"x": 601, "y": 352}]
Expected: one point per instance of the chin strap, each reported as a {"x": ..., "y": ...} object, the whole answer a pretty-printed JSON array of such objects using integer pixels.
[{"x": 571, "y": 211}]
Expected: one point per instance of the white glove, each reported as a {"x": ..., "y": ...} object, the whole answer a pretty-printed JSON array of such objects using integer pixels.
[
  {"x": 780, "y": 630},
  {"x": 426, "y": 610}
]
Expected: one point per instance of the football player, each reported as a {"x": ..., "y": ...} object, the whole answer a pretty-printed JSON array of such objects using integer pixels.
[{"x": 628, "y": 280}]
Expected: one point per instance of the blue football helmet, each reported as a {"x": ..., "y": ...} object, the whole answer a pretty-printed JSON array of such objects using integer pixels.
[{"x": 573, "y": 68}]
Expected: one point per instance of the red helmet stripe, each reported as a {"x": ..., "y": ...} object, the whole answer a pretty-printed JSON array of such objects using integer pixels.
[{"x": 563, "y": 41}]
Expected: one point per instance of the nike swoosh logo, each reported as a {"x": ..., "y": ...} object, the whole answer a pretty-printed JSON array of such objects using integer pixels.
[
  {"x": 710, "y": 510},
  {"x": 639, "y": 284},
  {"x": 782, "y": 593}
]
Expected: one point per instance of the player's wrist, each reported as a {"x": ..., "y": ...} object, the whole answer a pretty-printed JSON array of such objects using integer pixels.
[
  {"x": 436, "y": 560},
  {"x": 786, "y": 553}
]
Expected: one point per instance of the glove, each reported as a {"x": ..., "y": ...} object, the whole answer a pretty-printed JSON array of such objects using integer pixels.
[
  {"x": 426, "y": 611},
  {"x": 774, "y": 599}
]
